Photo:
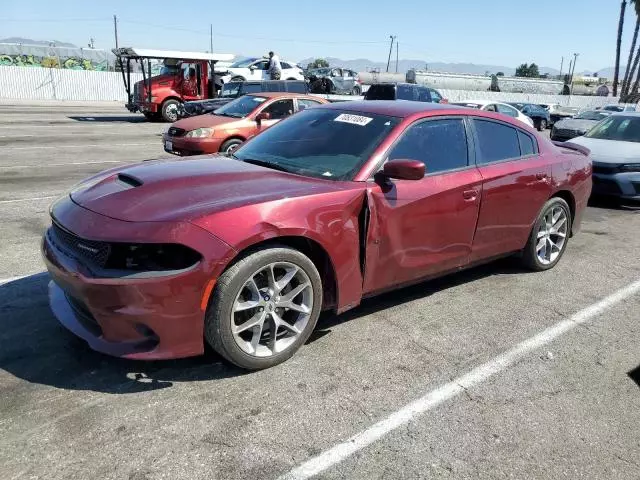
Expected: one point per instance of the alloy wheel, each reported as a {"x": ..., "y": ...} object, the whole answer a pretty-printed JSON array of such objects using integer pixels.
[
  {"x": 552, "y": 235},
  {"x": 272, "y": 309}
]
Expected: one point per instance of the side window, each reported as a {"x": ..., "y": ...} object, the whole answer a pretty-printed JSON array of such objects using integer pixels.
[
  {"x": 306, "y": 103},
  {"x": 527, "y": 147},
  {"x": 440, "y": 144},
  {"x": 405, "y": 92},
  {"x": 423, "y": 94},
  {"x": 490, "y": 108},
  {"x": 261, "y": 65},
  {"x": 496, "y": 141},
  {"x": 507, "y": 110},
  {"x": 285, "y": 65},
  {"x": 435, "y": 96},
  {"x": 280, "y": 109}
]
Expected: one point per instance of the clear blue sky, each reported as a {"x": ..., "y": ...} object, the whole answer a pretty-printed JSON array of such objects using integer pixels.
[{"x": 497, "y": 32}]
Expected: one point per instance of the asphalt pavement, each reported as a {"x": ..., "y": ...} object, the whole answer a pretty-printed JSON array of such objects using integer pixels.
[{"x": 565, "y": 405}]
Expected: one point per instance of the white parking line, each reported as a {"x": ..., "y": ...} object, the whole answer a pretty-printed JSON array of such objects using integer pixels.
[
  {"x": 432, "y": 399},
  {"x": 76, "y": 134},
  {"x": 29, "y": 199},
  {"x": 60, "y": 164},
  {"x": 63, "y": 147}
]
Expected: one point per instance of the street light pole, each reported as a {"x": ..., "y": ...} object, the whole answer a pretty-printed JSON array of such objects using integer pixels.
[
  {"x": 575, "y": 59},
  {"x": 392, "y": 37}
]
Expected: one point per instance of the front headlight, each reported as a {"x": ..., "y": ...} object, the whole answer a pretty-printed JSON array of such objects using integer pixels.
[
  {"x": 200, "y": 133},
  {"x": 630, "y": 167},
  {"x": 151, "y": 257}
]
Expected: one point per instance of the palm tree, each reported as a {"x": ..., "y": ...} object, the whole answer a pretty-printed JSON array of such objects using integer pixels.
[
  {"x": 628, "y": 74},
  {"x": 616, "y": 74}
]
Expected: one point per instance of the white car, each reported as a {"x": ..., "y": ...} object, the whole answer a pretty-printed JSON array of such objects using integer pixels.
[
  {"x": 491, "y": 106},
  {"x": 255, "y": 69}
]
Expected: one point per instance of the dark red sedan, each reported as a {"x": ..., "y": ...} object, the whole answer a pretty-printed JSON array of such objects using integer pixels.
[{"x": 334, "y": 204}]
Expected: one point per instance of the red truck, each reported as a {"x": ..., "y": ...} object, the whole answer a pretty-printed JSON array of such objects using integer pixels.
[{"x": 184, "y": 76}]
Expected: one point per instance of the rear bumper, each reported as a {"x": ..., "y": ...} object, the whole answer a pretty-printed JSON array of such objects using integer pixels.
[{"x": 190, "y": 146}]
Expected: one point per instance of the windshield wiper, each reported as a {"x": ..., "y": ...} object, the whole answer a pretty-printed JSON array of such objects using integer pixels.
[{"x": 264, "y": 163}]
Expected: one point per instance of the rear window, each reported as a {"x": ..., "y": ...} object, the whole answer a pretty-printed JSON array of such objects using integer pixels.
[
  {"x": 405, "y": 92},
  {"x": 381, "y": 92},
  {"x": 496, "y": 141}
]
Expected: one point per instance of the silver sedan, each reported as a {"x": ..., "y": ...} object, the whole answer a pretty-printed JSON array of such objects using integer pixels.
[{"x": 615, "y": 150}]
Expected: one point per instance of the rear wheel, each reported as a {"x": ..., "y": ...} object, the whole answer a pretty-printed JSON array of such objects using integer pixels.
[
  {"x": 549, "y": 236},
  {"x": 264, "y": 308},
  {"x": 356, "y": 90},
  {"x": 230, "y": 145},
  {"x": 170, "y": 110}
]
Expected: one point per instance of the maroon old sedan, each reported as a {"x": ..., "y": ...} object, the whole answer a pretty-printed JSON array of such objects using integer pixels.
[{"x": 334, "y": 204}]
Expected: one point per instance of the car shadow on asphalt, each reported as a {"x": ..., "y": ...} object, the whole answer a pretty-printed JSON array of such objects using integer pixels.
[
  {"x": 635, "y": 375},
  {"x": 36, "y": 348},
  {"x": 612, "y": 203},
  {"x": 504, "y": 266},
  {"x": 110, "y": 118}
]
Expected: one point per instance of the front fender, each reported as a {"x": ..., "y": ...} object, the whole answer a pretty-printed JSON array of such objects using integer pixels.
[{"x": 330, "y": 220}]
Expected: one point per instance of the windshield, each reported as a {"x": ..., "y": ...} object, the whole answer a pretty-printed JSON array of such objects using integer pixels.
[
  {"x": 592, "y": 116},
  {"x": 240, "y": 107},
  {"x": 617, "y": 127},
  {"x": 243, "y": 63},
  {"x": 169, "y": 70},
  {"x": 331, "y": 144}
]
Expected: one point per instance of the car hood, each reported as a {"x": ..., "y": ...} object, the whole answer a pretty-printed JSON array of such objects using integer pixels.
[
  {"x": 576, "y": 124},
  {"x": 184, "y": 190},
  {"x": 610, "y": 151},
  {"x": 203, "y": 121}
]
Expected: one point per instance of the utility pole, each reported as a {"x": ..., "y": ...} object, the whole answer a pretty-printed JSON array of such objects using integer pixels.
[
  {"x": 575, "y": 60},
  {"x": 561, "y": 64},
  {"x": 115, "y": 29},
  {"x": 211, "y": 37},
  {"x": 392, "y": 37},
  {"x": 396, "y": 57}
]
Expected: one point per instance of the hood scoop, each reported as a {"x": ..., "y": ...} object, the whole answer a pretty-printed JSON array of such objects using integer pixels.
[{"x": 129, "y": 180}]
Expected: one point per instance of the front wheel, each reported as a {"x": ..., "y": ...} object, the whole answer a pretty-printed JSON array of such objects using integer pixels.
[
  {"x": 549, "y": 236},
  {"x": 356, "y": 91},
  {"x": 170, "y": 110},
  {"x": 264, "y": 308},
  {"x": 230, "y": 145}
]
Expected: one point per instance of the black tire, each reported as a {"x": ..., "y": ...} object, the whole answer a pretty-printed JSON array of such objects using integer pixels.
[
  {"x": 238, "y": 79},
  {"x": 230, "y": 145},
  {"x": 170, "y": 110},
  {"x": 542, "y": 124},
  {"x": 529, "y": 254},
  {"x": 356, "y": 91},
  {"x": 288, "y": 79},
  {"x": 218, "y": 321},
  {"x": 151, "y": 116}
]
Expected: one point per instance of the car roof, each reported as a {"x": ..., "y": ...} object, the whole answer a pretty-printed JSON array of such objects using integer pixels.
[
  {"x": 393, "y": 108},
  {"x": 482, "y": 102},
  {"x": 283, "y": 95},
  {"x": 625, "y": 114}
]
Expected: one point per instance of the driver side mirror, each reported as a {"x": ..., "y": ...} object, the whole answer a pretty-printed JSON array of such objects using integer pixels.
[
  {"x": 252, "y": 68},
  {"x": 262, "y": 116},
  {"x": 404, "y": 169}
]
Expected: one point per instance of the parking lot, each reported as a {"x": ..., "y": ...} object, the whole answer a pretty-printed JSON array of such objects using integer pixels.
[{"x": 564, "y": 405}]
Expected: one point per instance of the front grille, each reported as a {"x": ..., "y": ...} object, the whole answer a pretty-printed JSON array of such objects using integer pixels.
[
  {"x": 606, "y": 186},
  {"x": 96, "y": 253},
  {"x": 176, "y": 132},
  {"x": 84, "y": 316},
  {"x": 605, "y": 169},
  {"x": 563, "y": 132}
]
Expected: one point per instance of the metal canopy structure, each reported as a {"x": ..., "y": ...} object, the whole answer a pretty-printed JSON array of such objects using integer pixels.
[{"x": 129, "y": 52}]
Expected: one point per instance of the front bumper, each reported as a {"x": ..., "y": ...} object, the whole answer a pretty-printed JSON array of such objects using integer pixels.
[
  {"x": 190, "y": 146},
  {"x": 158, "y": 315},
  {"x": 624, "y": 185}
]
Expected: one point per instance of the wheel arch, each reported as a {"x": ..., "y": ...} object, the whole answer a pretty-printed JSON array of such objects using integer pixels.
[
  {"x": 568, "y": 197},
  {"x": 232, "y": 137},
  {"x": 313, "y": 250}
]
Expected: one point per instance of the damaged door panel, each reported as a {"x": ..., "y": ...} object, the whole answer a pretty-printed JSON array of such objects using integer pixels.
[{"x": 420, "y": 228}]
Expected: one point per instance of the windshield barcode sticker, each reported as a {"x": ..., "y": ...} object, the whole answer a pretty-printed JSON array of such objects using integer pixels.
[{"x": 353, "y": 119}]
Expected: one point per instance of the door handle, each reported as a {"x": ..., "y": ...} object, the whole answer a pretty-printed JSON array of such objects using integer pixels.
[{"x": 470, "y": 194}]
